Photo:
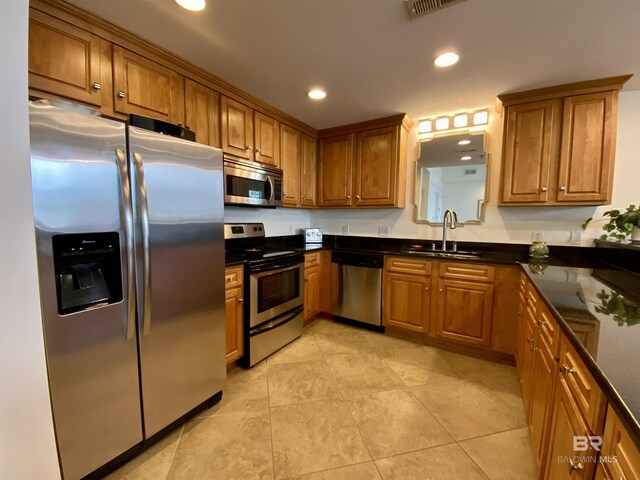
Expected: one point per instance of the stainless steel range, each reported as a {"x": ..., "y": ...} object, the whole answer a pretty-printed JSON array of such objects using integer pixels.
[{"x": 273, "y": 315}]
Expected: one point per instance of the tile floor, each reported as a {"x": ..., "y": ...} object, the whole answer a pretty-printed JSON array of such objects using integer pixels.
[{"x": 345, "y": 403}]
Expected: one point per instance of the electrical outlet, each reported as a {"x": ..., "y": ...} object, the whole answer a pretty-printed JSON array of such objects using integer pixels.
[
  {"x": 575, "y": 236},
  {"x": 345, "y": 229},
  {"x": 383, "y": 231},
  {"x": 290, "y": 228},
  {"x": 537, "y": 236}
]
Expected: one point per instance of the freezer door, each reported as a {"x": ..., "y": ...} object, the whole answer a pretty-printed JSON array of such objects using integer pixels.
[
  {"x": 179, "y": 233},
  {"x": 77, "y": 162}
]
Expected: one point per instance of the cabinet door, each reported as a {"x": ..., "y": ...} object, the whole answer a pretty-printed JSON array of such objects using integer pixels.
[
  {"x": 406, "y": 302},
  {"x": 63, "y": 60},
  {"x": 311, "y": 292},
  {"x": 237, "y": 128},
  {"x": 308, "y": 147},
  {"x": 526, "y": 367},
  {"x": 267, "y": 139},
  {"x": 464, "y": 312},
  {"x": 234, "y": 323},
  {"x": 376, "y": 167},
  {"x": 202, "y": 112},
  {"x": 544, "y": 374},
  {"x": 616, "y": 442},
  {"x": 146, "y": 88},
  {"x": 529, "y": 149},
  {"x": 586, "y": 157},
  {"x": 290, "y": 163},
  {"x": 336, "y": 155},
  {"x": 566, "y": 423}
]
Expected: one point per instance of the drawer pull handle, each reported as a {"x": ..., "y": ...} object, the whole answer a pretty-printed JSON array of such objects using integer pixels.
[
  {"x": 530, "y": 340},
  {"x": 240, "y": 300},
  {"x": 542, "y": 323},
  {"x": 96, "y": 85},
  {"x": 568, "y": 370},
  {"x": 534, "y": 349},
  {"x": 543, "y": 189},
  {"x": 121, "y": 94},
  {"x": 575, "y": 466}
]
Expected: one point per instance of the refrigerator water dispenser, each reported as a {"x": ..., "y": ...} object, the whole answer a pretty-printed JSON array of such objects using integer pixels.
[{"x": 87, "y": 269}]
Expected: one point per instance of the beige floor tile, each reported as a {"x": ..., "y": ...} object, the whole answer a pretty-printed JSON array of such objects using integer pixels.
[
  {"x": 324, "y": 325},
  {"x": 348, "y": 342},
  {"x": 384, "y": 344},
  {"x": 153, "y": 464},
  {"x": 474, "y": 367},
  {"x": 300, "y": 382},
  {"x": 302, "y": 349},
  {"x": 225, "y": 446},
  {"x": 245, "y": 390},
  {"x": 504, "y": 456},
  {"x": 361, "y": 471},
  {"x": 315, "y": 436},
  {"x": 421, "y": 366},
  {"x": 504, "y": 390},
  {"x": 448, "y": 462},
  {"x": 362, "y": 373},
  {"x": 463, "y": 410},
  {"x": 394, "y": 421}
]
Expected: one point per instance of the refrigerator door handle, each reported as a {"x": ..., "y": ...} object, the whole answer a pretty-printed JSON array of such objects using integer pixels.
[
  {"x": 146, "y": 274},
  {"x": 125, "y": 190}
]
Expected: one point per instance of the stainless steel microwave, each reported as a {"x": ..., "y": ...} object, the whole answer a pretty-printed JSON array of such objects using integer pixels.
[{"x": 251, "y": 184}]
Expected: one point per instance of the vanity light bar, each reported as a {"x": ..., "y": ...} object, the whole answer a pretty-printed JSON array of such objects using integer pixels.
[{"x": 471, "y": 121}]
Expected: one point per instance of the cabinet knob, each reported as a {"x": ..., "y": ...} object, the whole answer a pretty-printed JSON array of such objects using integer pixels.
[
  {"x": 426, "y": 289},
  {"x": 534, "y": 349},
  {"x": 575, "y": 466},
  {"x": 542, "y": 323},
  {"x": 240, "y": 300},
  {"x": 530, "y": 340},
  {"x": 440, "y": 290},
  {"x": 247, "y": 148},
  {"x": 258, "y": 151},
  {"x": 562, "y": 189},
  {"x": 567, "y": 370},
  {"x": 96, "y": 86},
  {"x": 121, "y": 94},
  {"x": 357, "y": 197},
  {"x": 543, "y": 189},
  {"x": 348, "y": 197},
  {"x": 304, "y": 197}
]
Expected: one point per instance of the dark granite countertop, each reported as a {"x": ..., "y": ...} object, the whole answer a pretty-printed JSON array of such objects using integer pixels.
[{"x": 598, "y": 308}]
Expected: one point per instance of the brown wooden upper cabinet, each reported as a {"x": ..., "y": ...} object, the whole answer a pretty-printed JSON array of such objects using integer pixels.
[
  {"x": 364, "y": 164},
  {"x": 249, "y": 134},
  {"x": 308, "y": 149},
  {"x": 147, "y": 88},
  {"x": 298, "y": 163},
  {"x": 559, "y": 144},
  {"x": 64, "y": 60},
  {"x": 202, "y": 112}
]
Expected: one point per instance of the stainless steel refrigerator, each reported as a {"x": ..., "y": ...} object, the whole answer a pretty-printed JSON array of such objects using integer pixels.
[{"x": 130, "y": 244}]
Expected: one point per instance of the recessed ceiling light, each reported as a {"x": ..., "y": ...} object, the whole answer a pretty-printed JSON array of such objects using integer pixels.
[
  {"x": 464, "y": 142},
  {"x": 465, "y": 158},
  {"x": 446, "y": 59},
  {"x": 193, "y": 5},
  {"x": 317, "y": 94}
]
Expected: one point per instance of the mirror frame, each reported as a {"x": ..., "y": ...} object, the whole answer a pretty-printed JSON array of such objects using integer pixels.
[{"x": 481, "y": 203}]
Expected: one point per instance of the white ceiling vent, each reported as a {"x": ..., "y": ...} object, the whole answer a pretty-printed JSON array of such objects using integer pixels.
[{"x": 417, "y": 8}]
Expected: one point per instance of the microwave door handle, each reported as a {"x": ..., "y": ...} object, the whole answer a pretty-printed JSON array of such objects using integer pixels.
[
  {"x": 146, "y": 273},
  {"x": 125, "y": 192},
  {"x": 271, "y": 195}
]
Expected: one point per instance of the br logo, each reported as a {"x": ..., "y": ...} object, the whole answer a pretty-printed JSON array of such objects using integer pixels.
[{"x": 581, "y": 443}]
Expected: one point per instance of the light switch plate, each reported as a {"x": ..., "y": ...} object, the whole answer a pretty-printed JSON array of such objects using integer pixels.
[
  {"x": 575, "y": 236},
  {"x": 537, "y": 236},
  {"x": 383, "y": 231},
  {"x": 345, "y": 229}
]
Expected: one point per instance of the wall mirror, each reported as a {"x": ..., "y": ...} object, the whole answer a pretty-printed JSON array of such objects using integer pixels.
[{"x": 451, "y": 173}]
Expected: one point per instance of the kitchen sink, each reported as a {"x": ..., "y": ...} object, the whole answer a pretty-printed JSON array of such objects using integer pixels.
[{"x": 440, "y": 254}]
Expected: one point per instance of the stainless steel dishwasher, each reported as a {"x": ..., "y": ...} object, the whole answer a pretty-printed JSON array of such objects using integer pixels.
[{"x": 357, "y": 289}]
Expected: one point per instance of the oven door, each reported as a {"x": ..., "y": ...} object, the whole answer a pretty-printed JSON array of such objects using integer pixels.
[
  {"x": 275, "y": 292},
  {"x": 248, "y": 187}
]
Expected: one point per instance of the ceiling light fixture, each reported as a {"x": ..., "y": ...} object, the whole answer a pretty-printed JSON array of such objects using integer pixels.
[
  {"x": 464, "y": 142},
  {"x": 465, "y": 158},
  {"x": 446, "y": 59},
  {"x": 470, "y": 121},
  {"x": 317, "y": 94},
  {"x": 193, "y": 5}
]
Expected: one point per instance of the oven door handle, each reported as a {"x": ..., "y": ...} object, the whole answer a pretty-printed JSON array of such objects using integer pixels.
[
  {"x": 273, "y": 269},
  {"x": 275, "y": 324}
]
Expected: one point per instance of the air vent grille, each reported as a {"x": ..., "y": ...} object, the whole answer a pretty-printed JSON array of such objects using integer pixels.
[{"x": 418, "y": 8}]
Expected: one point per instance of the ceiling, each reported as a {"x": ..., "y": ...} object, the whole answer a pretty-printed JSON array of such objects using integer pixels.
[
  {"x": 445, "y": 151},
  {"x": 373, "y": 60}
]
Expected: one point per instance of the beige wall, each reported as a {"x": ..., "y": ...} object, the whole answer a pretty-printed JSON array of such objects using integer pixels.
[
  {"x": 27, "y": 445},
  {"x": 509, "y": 225}
]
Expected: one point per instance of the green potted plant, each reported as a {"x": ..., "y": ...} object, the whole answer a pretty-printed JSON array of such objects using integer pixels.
[{"x": 621, "y": 224}]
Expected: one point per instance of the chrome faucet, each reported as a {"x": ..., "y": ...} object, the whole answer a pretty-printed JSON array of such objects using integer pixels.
[{"x": 453, "y": 218}]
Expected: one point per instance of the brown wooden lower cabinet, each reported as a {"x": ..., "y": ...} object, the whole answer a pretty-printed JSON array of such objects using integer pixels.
[
  {"x": 406, "y": 302},
  {"x": 311, "y": 285},
  {"x": 620, "y": 459},
  {"x": 234, "y": 310}
]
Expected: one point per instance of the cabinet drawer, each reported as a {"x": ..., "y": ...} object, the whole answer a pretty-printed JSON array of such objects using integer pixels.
[
  {"x": 548, "y": 329},
  {"x": 616, "y": 442},
  {"x": 467, "y": 271},
  {"x": 407, "y": 265},
  {"x": 523, "y": 282},
  {"x": 531, "y": 297},
  {"x": 232, "y": 277},
  {"x": 583, "y": 387},
  {"x": 311, "y": 259}
]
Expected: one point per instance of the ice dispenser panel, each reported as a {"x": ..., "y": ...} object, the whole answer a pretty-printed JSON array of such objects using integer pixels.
[{"x": 88, "y": 270}]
